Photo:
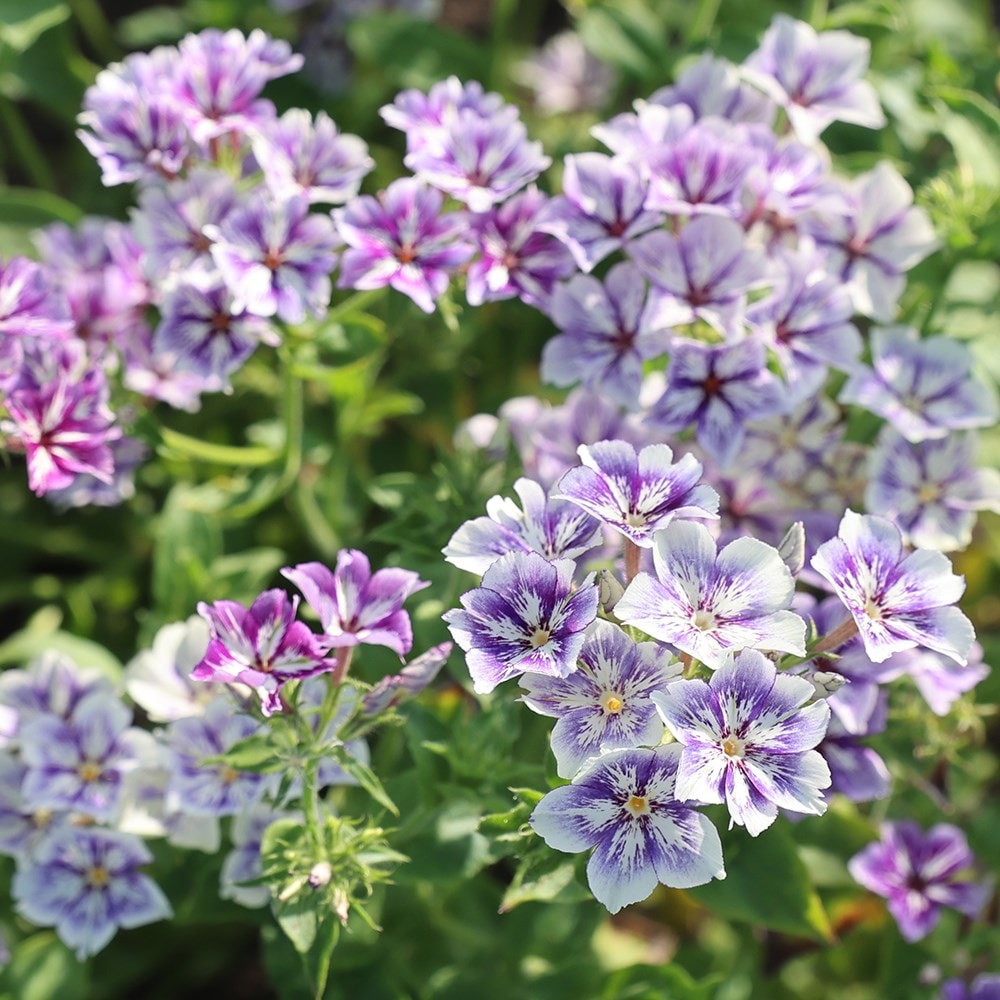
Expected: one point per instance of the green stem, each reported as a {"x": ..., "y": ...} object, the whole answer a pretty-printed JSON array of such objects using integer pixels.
[
  {"x": 700, "y": 25},
  {"x": 355, "y": 303},
  {"x": 96, "y": 28},
  {"x": 29, "y": 152},
  {"x": 219, "y": 454},
  {"x": 816, "y": 12}
]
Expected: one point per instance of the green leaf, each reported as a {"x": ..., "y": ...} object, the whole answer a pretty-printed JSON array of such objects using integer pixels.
[
  {"x": 42, "y": 634},
  {"x": 541, "y": 877},
  {"x": 255, "y": 754},
  {"x": 42, "y": 967},
  {"x": 366, "y": 778},
  {"x": 768, "y": 885},
  {"x": 23, "y": 21},
  {"x": 662, "y": 982},
  {"x": 23, "y": 210}
]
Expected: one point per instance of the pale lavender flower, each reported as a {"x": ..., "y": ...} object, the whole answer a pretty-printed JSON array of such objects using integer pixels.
[
  {"x": 86, "y": 883},
  {"x": 357, "y": 606},
  {"x": 923, "y": 386},
  {"x": 856, "y": 770},
  {"x": 707, "y": 602},
  {"x": 875, "y": 240},
  {"x": 711, "y": 87},
  {"x": 526, "y": 617},
  {"x": 261, "y": 646},
  {"x": 555, "y": 529},
  {"x": 201, "y": 331},
  {"x": 170, "y": 220},
  {"x": 220, "y": 76},
  {"x": 199, "y": 786},
  {"x": 479, "y": 161},
  {"x": 747, "y": 739},
  {"x": 816, "y": 78},
  {"x": 601, "y": 210},
  {"x": 939, "y": 679},
  {"x": 564, "y": 77},
  {"x": 304, "y": 156},
  {"x": 806, "y": 318},
  {"x": 276, "y": 257},
  {"x": 932, "y": 489},
  {"x": 704, "y": 172},
  {"x": 898, "y": 601},
  {"x": 58, "y": 413},
  {"x": 403, "y": 240},
  {"x": 705, "y": 273},
  {"x": 606, "y": 334},
  {"x": 515, "y": 256},
  {"x": 394, "y": 689},
  {"x": 78, "y": 764},
  {"x": 424, "y": 117},
  {"x": 631, "y": 136},
  {"x": 637, "y": 493},
  {"x": 156, "y": 376},
  {"x": 787, "y": 446},
  {"x": 604, "y": 704},
  {"x": 243, "y": 862},
  {"x": 918, "y": 873},
  {"x": 625, "y": 807},
  {"x": 22, "y": 828},
  {"x": 718, "y": 389}
]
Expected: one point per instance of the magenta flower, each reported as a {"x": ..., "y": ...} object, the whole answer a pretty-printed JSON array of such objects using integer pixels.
[
  {"x": 526, "y": 617},
  {"x": 707, "y": 602},
  {"x": 918, "y": 873},
  {"x": 637, "y": 493},
  {"x": 625, "y": 807},
  {"x": 816, "y": 78},
  {"x": 357, "y": 606},
  {"x": 261, "y": 646},
  {"x": 403, "y": 240},
  {"x": 747, "y": 739},
  {"x": 605, "y": 703},
  {"x": 898, "y": 601},
  {"x": 86, "y": 883}
]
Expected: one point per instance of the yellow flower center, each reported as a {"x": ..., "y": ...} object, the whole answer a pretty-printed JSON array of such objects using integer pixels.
[
  {"x": 634, "y": 520},
  {"x": 612, "y": 704},
  {"x": 227, "y": 775},
  {"x": 928, "y": 493},
  {"x": 98, "y": 877},
  {"x": 89, "y": 771},
  {"x": 873, "y": 610},
  {"x": 638, "y": 805},
  {"x": 703, "y": 620},
  {"x": 733, "y": 747},
  {"x": 41, "y": 818},
  {"x": 539, "y": 637}
]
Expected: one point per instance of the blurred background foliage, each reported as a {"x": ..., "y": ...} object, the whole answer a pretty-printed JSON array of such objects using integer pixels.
[{"x": 355, "y": 449}]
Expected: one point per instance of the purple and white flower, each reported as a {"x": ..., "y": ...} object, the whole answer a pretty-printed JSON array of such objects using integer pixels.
[
  {"x": 605, "y": 703},
  {"x": 707, "y": 602},
  {"x": 86, "y": 883},
  {"x": 525, "y": 618},
  {"x": 243, "y": 862},
  {"x": 625, "y": 808},
  {"x": 923, "y": 386},
  {"x": 555, "y": 529},
  {"x": 712, "y": 87},
  {"x": 816, "y": 78},
  {"x": 355, "y": 605},
  {"x": 897, "y": 601},
  {"x": 262, "y": 646},
  {"x": 564, "y": 77},
  {"x": 637, "y": 493},
  {"x": 918, "y": 873},
  {"x": 856, "y": 770},
  {"x": 747, "y": 739},
  {"x": 403, "y": 240},
  {"x": 394, "y": 689}
]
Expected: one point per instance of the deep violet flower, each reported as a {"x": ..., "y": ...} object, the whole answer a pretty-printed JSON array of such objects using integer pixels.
[
  {"x": 707, "y": 602},
  {"x": 747, "y": 739},
  {"x": 526, "y": 617},
  {"x": 355, "y": 605},
  {"x": 897, "y": 601},
  {"x": 625, "y": 807},
  {"x": 86, "y": 883},
  {"x": 918, "y": 873},
  {"x": 261, "y": 646},
  {"x": 605, "y": 703},
  {"x": 403, "y": 240},
  {"x": 637, "y": 493}
]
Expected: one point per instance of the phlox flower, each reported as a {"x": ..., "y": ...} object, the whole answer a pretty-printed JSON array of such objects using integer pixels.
[
  {"x": 918, "y": 872},
  {"x": 707, "y": 602},
  {"x": 747, "y": 739},
  {"x": 555, "y": 529},
  {"x": 712, "y": 87},
  {"x": 624, "y": 807},
  {"x": 815, "y": 77},
  {"x": 243, "y": 862},
  {"x": 403, "y": 240},
  {"x": 637, "y": 493},
  {"x": 262, "y": 646},
  {"x": 86, "y": 883},
  {"x": 605, "y": 703},
  {"x": 394, "y": 689},
  {"x": 355, "y": 605},
  {"x": 897, "y": 601},
  {"x": 564, "y": 76},
  {"x": 526, "y": 617}
]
